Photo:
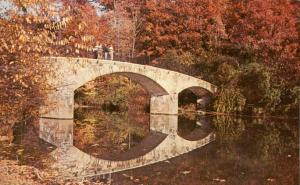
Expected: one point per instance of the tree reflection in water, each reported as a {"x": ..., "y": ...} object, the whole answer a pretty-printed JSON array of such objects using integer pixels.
[
  {"x": 101, "y": 133},
  {"x": 247, "y": 151}
]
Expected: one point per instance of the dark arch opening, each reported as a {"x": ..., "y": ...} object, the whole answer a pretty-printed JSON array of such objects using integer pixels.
[
  {"x": 193, "y": 103},
  {"x": 194, "y": 99}
]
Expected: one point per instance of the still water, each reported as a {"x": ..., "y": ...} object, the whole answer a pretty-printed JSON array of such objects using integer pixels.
[{"x": 167, "y": 150}]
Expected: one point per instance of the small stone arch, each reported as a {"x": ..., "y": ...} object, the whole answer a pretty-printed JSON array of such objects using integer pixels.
[{"x": 203, "y": 96}]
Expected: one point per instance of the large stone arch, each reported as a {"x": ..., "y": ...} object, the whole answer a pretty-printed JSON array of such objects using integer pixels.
[
  {"x": 70, "y": 73},
  {"x": 152, "y": 87}
]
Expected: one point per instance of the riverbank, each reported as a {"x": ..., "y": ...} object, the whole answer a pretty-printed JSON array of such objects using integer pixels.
[{"x": 11, "y": 173}]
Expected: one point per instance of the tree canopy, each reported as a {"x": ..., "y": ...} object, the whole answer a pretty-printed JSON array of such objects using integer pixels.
[{"x": 210, "y": 37}]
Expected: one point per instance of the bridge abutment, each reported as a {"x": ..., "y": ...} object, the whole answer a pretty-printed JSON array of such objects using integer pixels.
[
  {"x": 59, "y": 105},
  {"x": 165, "y": 104}
]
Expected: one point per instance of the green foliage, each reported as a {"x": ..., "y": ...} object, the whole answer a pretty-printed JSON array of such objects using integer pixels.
[
  {"x": 248, "y": 87},
  {"x": 264, "y": 138},
  {"x": 230, "y": 100},
  {"x": 272, "y": 138},
  {"x": 290, "y": 101},
  {"x": 226, "y": 73},
  {"x": 255, "y": 82},
  {"x": 258, "y": 88},
  {"x": 187, "y": 59},
  {"x": 269, "y": 142},
  {"x": 228, "y": 129}
]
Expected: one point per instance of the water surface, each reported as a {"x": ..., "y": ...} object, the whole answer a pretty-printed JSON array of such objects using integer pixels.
[{"x": 243, "y": 151}]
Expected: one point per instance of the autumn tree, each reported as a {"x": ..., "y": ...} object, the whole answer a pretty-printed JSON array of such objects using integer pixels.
[
  {"x": 30, "y": 30},
  {"x": 184, "y": 25},
  {"x": 266, "y": 30},
  {"x": 23, "y": 41},
  {"x": 84, "y": 30},
  {"x": 126, "y": 21}
]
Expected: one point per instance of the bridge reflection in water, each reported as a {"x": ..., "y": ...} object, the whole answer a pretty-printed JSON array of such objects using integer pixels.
[{"x": 162, "y": 143}]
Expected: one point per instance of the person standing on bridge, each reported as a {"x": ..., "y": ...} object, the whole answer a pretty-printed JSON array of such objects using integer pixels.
[
  {"x": 105, "y": 51},
  {"x": 99, "y": 51},
  {"x": 111, "y": 52}
]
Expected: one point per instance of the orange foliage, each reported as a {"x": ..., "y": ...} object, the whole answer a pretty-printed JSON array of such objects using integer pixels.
[
  {"x": 266, "y": 28},
  {"x": 185, "y": 25},
  {"x": 33, "y": 29}
]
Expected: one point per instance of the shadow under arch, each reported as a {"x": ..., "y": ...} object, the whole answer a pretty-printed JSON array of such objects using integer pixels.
[
  {"x": 201, "y": 96},
  {"x": 152, "y": 87},
  {"x": 193, "y": 102}
]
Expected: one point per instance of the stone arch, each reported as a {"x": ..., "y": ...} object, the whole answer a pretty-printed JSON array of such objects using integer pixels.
[
  {"x": 152, "y": 87},
  {"x": 203, "y": 95}
]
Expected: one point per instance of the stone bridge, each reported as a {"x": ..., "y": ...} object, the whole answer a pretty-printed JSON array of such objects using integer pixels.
[{"x": 162, "y": 85}]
